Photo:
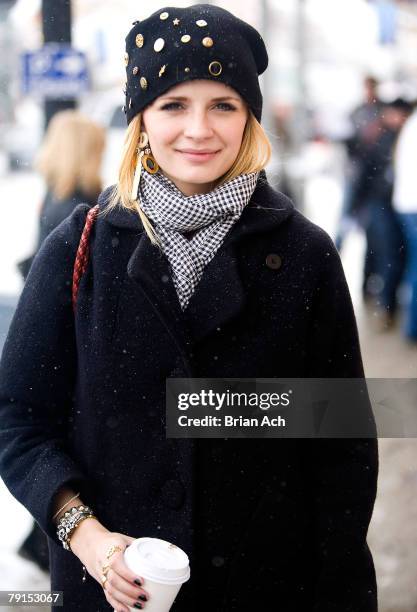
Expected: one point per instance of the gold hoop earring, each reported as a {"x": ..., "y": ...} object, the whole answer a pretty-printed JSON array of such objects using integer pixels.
[
  {"x": 144, "y": 160},
  {"x": 149, "y": 163}
]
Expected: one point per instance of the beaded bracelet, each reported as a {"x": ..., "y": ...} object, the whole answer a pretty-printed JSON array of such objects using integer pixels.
[{"x": 69, "y": 521}]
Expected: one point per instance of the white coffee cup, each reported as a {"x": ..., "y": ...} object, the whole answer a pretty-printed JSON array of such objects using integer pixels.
[{"x": 163, "y": 566}]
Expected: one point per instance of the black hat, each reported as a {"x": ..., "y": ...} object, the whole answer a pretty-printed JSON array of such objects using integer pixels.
[
  {"x": 400, "y": 104},
  {"x": 202, "y": 41}
]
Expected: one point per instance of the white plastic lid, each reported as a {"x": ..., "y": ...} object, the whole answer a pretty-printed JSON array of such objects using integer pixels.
[{"x": 158, "y": 560}]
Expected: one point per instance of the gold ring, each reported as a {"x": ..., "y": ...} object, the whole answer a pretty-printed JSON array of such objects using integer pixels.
[
  {"x": 113, "y": 549},
  {"x": 103, "y": 581}
]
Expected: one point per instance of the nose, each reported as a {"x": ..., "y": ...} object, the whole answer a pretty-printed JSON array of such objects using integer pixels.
[{"x": 198, "y": 125}]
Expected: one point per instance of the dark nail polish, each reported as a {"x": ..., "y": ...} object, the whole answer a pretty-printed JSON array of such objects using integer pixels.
[
  {"x": 138, "y": 582},
  {"x": 138, "y": 606},
  {"x": 143, "y": 597}
]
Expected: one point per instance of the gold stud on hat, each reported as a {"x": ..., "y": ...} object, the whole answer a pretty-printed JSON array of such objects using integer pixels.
[
  {"x": 164, "y": 16},
  {"x": 135, "y": 70},
  {"x": 139, "y": 40},
  {"x": 176, "y": 21},
  {"x": 201, "y": 23},
  {"x": 186, "y": 38},
  {"x": 143, "y": 83},
  {"x": 187, "y": 69},
  {"x": 159, "y": 44},
  {"x": 215, "y": 68},
  {"x": 207, "y": 41},
  {"x": 126, "y": 59},
  {"x": 162, "y": 70}
]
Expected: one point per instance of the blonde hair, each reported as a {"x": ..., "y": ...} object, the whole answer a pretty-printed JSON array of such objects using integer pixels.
[
  {"x": 71, "y": 154},
  {"x": 255, "y": 152}
]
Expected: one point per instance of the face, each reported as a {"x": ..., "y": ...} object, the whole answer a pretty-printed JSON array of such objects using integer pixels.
[{"x": 195, "y": 131}]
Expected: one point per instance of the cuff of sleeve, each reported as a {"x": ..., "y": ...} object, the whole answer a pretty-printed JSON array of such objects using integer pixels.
[{"x": 53, "y": 473}]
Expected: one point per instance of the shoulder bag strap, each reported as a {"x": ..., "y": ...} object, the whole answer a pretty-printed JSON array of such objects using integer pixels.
[{"x": 81, "y": 259}]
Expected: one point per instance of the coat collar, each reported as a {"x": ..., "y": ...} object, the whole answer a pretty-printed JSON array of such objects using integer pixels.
[{"x": 220, "y": 294}]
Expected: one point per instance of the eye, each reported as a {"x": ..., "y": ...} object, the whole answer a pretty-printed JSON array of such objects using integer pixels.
[
  {"x": 226, "y": 106},
  {"x": 171, "y": 106}
]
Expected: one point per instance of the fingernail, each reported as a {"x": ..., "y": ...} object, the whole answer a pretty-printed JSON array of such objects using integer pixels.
[
  {"x": 138, "y": 582},
  {"x": 143, "y": 597},
  {"x": 138, "y": 606}
]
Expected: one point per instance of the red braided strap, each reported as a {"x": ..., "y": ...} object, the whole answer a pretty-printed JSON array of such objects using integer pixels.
[{"x": 81, "y": 259}]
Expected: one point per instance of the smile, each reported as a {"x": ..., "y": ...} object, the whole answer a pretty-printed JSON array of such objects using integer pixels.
[{"x": 198, "y": 156}]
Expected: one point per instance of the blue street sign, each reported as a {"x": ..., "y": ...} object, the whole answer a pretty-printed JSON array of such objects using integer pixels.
[{"x": 55, "y": 71}]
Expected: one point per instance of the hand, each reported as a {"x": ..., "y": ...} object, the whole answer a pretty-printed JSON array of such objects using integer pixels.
[{"x": 91, "y": 542}]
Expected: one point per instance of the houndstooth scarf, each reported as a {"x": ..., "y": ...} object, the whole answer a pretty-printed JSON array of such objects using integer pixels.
[{"x": 212, "y": 214}]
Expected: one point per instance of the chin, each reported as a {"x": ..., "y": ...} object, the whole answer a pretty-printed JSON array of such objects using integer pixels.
[
  {"x": 205, "y": 174},
  {"x": 198, "y": 177}
]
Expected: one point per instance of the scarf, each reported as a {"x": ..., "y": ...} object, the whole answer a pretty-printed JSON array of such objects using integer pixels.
[{"x": 211, "y": 214}]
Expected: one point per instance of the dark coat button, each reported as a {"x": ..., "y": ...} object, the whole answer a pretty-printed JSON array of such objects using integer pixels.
[
  {"x": 273, "y": 261},
  {"x": 173, "y": 494}
]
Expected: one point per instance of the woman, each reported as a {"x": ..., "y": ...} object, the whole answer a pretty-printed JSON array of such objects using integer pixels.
[
  {"x": 69, "y": 161},
  {"x": 201, "y": 270}
]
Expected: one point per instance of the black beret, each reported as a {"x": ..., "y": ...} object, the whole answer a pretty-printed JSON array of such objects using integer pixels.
[{"x": 202, "y": 41}]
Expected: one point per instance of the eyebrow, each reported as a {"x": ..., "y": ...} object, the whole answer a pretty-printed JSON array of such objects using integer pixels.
[{"x": 185, "y": 99}]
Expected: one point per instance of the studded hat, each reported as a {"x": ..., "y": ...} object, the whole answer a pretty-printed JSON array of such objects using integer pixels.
[{"x": 202, "y": 41}]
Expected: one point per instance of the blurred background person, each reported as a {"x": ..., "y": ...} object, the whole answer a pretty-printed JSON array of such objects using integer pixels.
[
  {"x": 405, "y": 204},
  {"x": 364, "y": 127},
  {"x": 372, "y": 197},
  {"x": 365, "y": 120},
  {"x": 69, "y": 161}
]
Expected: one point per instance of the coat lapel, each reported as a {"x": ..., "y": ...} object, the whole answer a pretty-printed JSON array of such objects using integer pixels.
[
  {"x": 219, "y": 295},
  {"x": 149, "y": 267}
]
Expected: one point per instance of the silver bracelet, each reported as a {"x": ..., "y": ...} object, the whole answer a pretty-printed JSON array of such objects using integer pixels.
[{"x": 69, "y": 521}]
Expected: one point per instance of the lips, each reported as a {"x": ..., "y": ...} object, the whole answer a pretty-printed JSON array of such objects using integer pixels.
[
  {"x": 196, "y": 155},
  {"x": 196, "y": 151}
]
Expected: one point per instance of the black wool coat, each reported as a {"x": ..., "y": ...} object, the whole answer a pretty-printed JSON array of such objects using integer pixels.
[{"x": 267, "y": 524}]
